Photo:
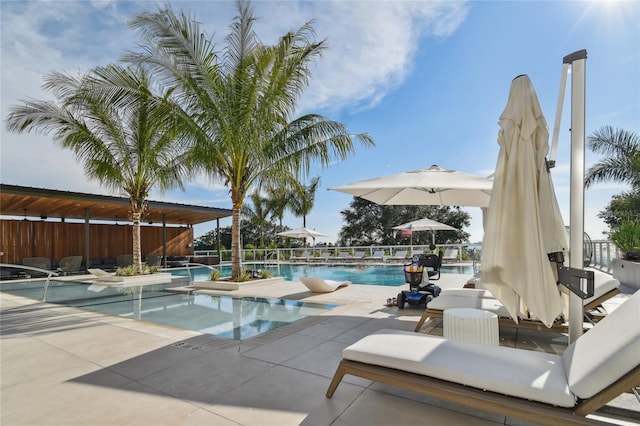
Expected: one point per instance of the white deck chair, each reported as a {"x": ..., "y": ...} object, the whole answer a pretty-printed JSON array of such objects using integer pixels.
[
  {"x": 605, "y": 287},
  {"x": 531, "y": 385},
  {"x": 318, "y": 285}
]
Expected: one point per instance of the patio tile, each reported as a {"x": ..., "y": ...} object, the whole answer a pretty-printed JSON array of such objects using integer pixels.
[
  {"x": 378, "y": 408},
  {"x": 283, "y": 396},
  {"x": 284, "y": 349},
  {"x": 203, "y": 377}
]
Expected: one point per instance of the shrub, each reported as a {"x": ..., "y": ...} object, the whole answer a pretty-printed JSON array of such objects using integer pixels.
[
  {"x": 627, "y": 237},
  {"x": 266, "y": 274},
  {"x": 215, "y": 274}
]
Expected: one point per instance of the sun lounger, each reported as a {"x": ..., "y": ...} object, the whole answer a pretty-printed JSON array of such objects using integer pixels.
[
  {"x": 324, "y": 256},
  {"x": 450, "y": 255},
  {"x": 318, "y": 285},
  {"x": 343, "y": 256},
  {"x": 399, "y": 255},
  {"x": 304, "y": 257},
  {"x": 534, "y": 386},
  {"x": 104, "y": 277},
  {"x": 605, "y": 287},
  {"x": 377, "y": 255},
  {"x": 357, "y": 256}
]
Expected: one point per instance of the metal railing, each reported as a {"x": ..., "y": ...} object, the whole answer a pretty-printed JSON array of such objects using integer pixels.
[
  {"x": 47, "y": 272},
  {"x": 602, "y": 253}
]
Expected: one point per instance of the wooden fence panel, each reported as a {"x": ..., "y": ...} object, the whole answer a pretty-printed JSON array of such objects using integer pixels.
[{"x": 55, "y": 240}]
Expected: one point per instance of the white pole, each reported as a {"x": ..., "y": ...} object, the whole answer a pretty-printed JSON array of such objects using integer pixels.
[{"x": 576, "y": 209}]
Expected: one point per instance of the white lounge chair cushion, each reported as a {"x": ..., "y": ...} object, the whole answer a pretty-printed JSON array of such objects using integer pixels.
[
  {"x": 443, "y": 302},
  {"x": 526, "y": 374},
  {"x": 606, "y": 352},
  {"x": 467, "y": 292},
  {"x": 602, "y": 283}
]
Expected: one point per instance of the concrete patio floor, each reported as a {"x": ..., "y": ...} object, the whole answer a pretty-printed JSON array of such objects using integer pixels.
[{"x": 66, "y": 366}]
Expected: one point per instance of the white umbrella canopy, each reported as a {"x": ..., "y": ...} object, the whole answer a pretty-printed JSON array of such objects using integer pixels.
[
  {"x": 301, "y": 233},
  {"x": 425, "y": 225},
  {"x": 433, "y": 186},
  {"x": 523, "y": 222}
]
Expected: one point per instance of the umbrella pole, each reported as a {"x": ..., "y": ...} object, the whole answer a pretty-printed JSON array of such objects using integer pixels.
[{"x": 576, "y": 210}]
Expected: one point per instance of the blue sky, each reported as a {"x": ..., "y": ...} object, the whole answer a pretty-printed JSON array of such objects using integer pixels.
[{"x": 427, "y": 80}]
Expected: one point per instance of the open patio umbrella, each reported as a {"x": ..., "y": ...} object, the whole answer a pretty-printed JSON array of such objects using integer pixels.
[
  {"x": 302, "y": 233},
  {"x": 433, "y": 186},
  {"x": 425, "y": 225},
  {"x": 523, "y": 223}
]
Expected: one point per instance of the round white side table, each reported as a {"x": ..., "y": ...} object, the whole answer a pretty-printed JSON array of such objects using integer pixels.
[{"x": 473, "y": 325}]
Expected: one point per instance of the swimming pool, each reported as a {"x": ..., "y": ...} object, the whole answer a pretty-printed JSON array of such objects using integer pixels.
[
  {"x": 222, "y": 316},
  {"x": 388, "y": 275}
]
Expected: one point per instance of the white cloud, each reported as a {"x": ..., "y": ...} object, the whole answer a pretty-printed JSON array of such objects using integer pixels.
[{"x": 371, "y": 51}]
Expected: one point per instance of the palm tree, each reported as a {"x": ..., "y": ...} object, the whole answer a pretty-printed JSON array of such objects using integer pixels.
[
  {"x": 278, "y": 198},
  {"x": 303, "y": 198},
  {"x": 240, "y": 102},
  {"x": 623, "y": 157},
  {"x": 259, "y": 214},
  {"x": 122, "y": 133}
]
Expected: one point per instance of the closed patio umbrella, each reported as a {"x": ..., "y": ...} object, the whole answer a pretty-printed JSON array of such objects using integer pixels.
[{"x": 523, "y": 223}]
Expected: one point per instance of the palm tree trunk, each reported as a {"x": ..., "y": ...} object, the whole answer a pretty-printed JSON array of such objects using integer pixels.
[
  {"x": 236, "y": 265},
  {"x": 137, "y": 255}
]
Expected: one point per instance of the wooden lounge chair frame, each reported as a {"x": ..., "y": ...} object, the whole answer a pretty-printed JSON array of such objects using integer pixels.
[
  {"x": 525, "y": 323},
  {"x": 536, "y": 412}
]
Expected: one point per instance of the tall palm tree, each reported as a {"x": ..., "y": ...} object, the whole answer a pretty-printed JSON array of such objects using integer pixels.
[
  {"x": 258, "y": 214},
  {"x": 241, "y": 101},
  {"x": 622, "y": 163},
  {"x": 278, "y": 197},
  {"x": 117, "y": 127},
  {"x": 302, "y": 202}
]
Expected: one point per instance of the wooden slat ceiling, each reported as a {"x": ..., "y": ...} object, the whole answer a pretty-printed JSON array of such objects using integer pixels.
[{"x": 36, "y": 202}]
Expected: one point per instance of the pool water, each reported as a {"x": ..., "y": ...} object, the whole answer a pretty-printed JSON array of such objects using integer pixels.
[
  {"x": 222, "y": 316},
  {"x": 389, "y": 275}
]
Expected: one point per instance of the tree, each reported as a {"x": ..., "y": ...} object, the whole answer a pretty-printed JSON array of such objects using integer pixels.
[
  {"x": 278, "y": 198},
  {"x": 259, "y": 214},
  {"x": 239, "y": 104},
  {"x": 368, "y": 223},
  {"x": 121, "y": 131},
  {"x": 302, "y": 199},
  {"x": 622, "y": 163}
]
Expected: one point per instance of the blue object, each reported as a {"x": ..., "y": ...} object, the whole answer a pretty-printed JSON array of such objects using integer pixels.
[{"x": 420, "y": 293}]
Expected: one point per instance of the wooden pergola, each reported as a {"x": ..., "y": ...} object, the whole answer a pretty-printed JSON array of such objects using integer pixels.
[{"x": 44, "y": 204}]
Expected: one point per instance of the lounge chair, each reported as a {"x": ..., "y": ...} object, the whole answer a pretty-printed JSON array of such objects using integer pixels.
[
  {"x": 70, "y": 265},
  {"x": 124, "y": 260},
  {"x": 318, "y": 285},
  {"x": 605, "y": 287},
  {"x": 37, "y": 262},
  {"x": 324, "y": 256},
  {"x": 534, "y": 386},
  {"x": 377, "y": 255},
  {"x": 343, "y": 256},
  {"x": 450, "y": 255},
  {"x": 304, "y": 257},
  {"x": 104, "y": 277},
  {"x": 400, "y": 255},
  {"x": 357, "y": 256},
  {"x": 153, "y": 260}
]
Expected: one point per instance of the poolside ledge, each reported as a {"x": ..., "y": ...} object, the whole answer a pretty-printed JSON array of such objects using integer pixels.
[{"x": 233, "y": 285}]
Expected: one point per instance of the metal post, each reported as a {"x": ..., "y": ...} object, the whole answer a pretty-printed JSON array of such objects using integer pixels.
[
  {"x": 164, "y": 240},
  {"x": 576, "y": 210},
  {"x": 87, "y": 240}
]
